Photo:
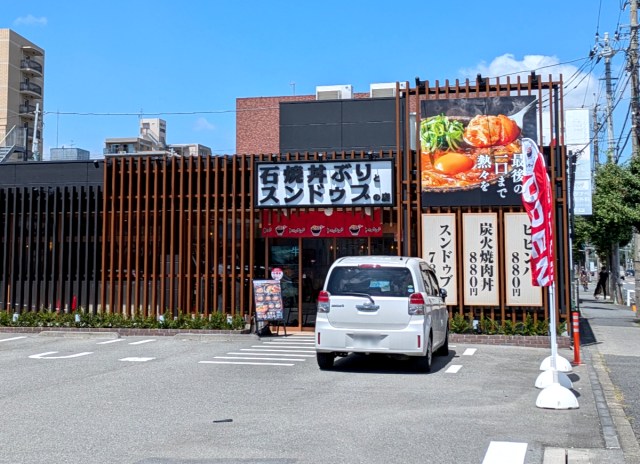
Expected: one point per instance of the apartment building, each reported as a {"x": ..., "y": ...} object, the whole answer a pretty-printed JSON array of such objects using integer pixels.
[
  {"x": 152, "y": 140},
  {"x": 21, "y": 98}
]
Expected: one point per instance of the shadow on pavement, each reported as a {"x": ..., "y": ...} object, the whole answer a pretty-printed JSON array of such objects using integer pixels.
[{"x": 587, "y": 337}]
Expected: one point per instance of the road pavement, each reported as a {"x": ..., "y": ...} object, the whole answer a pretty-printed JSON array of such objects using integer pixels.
[
  {"x": 610, "y": 352},
  {"x": 179, "y": 400}
]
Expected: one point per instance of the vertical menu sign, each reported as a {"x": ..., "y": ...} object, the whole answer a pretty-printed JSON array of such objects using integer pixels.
[
  {"x": 480, "y": 257},
  {"x": 517, "y": 250},
  {"x": 439, "y": 249}
]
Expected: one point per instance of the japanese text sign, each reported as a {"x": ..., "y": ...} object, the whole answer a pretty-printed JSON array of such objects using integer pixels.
[
  {"x": 439, "y": 249},
  {"x": 480, "y": 257},
  {"x": 471, "y": 150},
  {"x": 334, "y": 183},
  {"x": 519, "y": 288}
]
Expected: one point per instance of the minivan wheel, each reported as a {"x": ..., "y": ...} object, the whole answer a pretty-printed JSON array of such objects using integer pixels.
[
  {"x": 325, "y": 360},
  {"x": 444, "y": 349},
  {"x": 423, "y": 363}
]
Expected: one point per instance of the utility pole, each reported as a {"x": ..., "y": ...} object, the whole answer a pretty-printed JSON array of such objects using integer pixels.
[
  {"x": 35, "y": 148},
  {"x": 596, "y": 131},
  {"x": 632, "y": 67},
  {"x": 607, "y": 53}
]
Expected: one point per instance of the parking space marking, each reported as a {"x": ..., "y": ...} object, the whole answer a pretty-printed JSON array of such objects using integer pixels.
[
  {"x": 143, "y": 341},
  {"x": 12, "y": 338},
  {"x": 46, "y": 355},
  {"x": 453, "y": 369},
  {"x": 262, "y": 353},
  {"x": 111, "y": 341},
  {"x": 469, "y": 352},
  {"x": 504, "y": 452},
  {"x": 276, "y": 350},
  {"x": 133, "y": 359},
  {"x": 293, "y": 345},
  {"x": 246, "y": 363},
  {"x": 256, "y": 359}
]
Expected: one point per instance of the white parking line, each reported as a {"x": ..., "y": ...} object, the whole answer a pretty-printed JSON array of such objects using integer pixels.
[
  {"x": 143, "y": 341},
  {"x": 284, "y": 351},
  {"x": 245, "y": 363},
  {"x": 469, "y": 352},
  {"x": 9, "y": 339},
  {"x": 261, "y": 353},
  {"x": 46, "y": 355},
  {"x": 136, "y": 359},
  {"x": 303, "y": 344},
  {"x": 453, "y": 369},
  {"x": 111, "y": 341},
  {"x": 504, "y": 452},
  {"x": 256, "y": 359}
]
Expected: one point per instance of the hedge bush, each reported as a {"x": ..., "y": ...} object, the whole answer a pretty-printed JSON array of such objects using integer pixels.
[
  {"x": 215, "y": 321},
  {"x": 487, "y": 326}
]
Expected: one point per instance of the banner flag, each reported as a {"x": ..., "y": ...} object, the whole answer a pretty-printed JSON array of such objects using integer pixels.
[{"x": 537, "y": 201}]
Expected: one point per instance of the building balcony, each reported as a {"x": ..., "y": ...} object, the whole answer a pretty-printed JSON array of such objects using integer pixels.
[
  {"x": 31, "y": 66},
  {"x": 32, "y": 50},
  {"x": 27, "y": 111},
  {"x": 29, "y": 88}
]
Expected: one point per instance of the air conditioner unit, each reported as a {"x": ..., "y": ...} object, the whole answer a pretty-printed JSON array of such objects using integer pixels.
[
  {"x": 385, "y": 89},
  {"x": 334, "y": 92}
]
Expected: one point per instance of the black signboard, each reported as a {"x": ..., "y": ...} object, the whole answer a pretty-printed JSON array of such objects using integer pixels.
[{"x": 470, "y": 149}]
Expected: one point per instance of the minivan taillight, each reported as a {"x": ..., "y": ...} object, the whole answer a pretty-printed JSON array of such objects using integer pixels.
[
  {"x": 416, "y": 304},
  {"x": 323, "y": 301}
]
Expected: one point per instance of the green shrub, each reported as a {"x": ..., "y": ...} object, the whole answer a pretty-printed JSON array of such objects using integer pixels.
[
  {"x": 488, "y": 326},
  {"x": 459, "y": 324},
  {"x": 507, "y": 328}
]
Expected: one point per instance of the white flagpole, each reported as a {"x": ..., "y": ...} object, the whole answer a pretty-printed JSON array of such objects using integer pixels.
[{"x": 552, "y": 329}]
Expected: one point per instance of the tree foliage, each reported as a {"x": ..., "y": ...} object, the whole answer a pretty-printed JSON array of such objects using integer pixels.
[
  {"x": 616, "y": 209},
  {"x": 633, "y": 197}
]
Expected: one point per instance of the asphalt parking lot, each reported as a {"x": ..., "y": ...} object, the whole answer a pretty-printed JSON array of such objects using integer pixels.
[{"x": 250, "y": 400}]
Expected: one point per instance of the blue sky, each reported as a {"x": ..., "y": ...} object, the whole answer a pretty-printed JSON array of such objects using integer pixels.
[{"x": 197, "y": 57}]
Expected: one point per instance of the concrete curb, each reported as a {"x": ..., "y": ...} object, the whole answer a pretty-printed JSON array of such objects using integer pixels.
[
  {"x": 620, "y": 424},
  {"x": 78, "y": 334},
  {"x": 529, "y": 341},
  {"x": 533, "y": 341}
]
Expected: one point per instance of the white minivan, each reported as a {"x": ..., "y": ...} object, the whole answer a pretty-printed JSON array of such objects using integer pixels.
[{"x": 381, "y": 304}]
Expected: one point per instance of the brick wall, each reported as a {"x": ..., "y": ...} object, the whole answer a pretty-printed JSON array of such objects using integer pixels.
[{"x": 258, "y": 122}]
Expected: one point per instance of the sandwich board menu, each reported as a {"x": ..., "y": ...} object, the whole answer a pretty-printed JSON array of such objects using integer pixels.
[{"x": 268, "y": 298}]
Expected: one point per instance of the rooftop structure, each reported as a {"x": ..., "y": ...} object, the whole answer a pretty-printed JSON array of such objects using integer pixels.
[{"x": 152, "y": 141}]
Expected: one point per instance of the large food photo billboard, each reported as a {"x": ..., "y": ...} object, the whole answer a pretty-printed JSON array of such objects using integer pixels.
[{"x": 471, "y": 150}]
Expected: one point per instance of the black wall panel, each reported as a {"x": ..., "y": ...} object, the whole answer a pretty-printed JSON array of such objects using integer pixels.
[
  {"x": 52, "y": 173},
  {"x": 336, "y": 125}
]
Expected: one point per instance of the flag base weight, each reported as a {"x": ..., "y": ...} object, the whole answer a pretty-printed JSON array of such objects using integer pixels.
[
  {"x": 555, "y": 396},
  {"x": 562, "y": 365},
  {"x": 546, "y": 378}
]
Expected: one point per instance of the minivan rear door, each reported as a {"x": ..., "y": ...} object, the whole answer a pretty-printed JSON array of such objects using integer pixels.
[{"x": 369, "y": 297}]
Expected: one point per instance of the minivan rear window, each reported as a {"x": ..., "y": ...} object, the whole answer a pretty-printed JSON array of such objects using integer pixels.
[{"x": 379, "y": 281}]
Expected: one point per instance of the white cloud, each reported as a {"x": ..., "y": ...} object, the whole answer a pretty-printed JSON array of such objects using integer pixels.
[
  {"x": 30, "y": 20},
  {"x": 579, "y": 87},
  {"x": 202, "y": 125}
]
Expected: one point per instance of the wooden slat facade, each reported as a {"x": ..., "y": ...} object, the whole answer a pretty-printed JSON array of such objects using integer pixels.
[
  {"x": 49, "y": 255},
  {"x": 167, "y": 234}
]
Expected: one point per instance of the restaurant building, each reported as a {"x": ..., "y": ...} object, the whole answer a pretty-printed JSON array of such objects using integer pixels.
[{"x": 315, "y": 178}]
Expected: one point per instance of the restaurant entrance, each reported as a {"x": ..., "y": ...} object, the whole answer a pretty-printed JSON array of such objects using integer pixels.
[{"x": 305, "y": 263}]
